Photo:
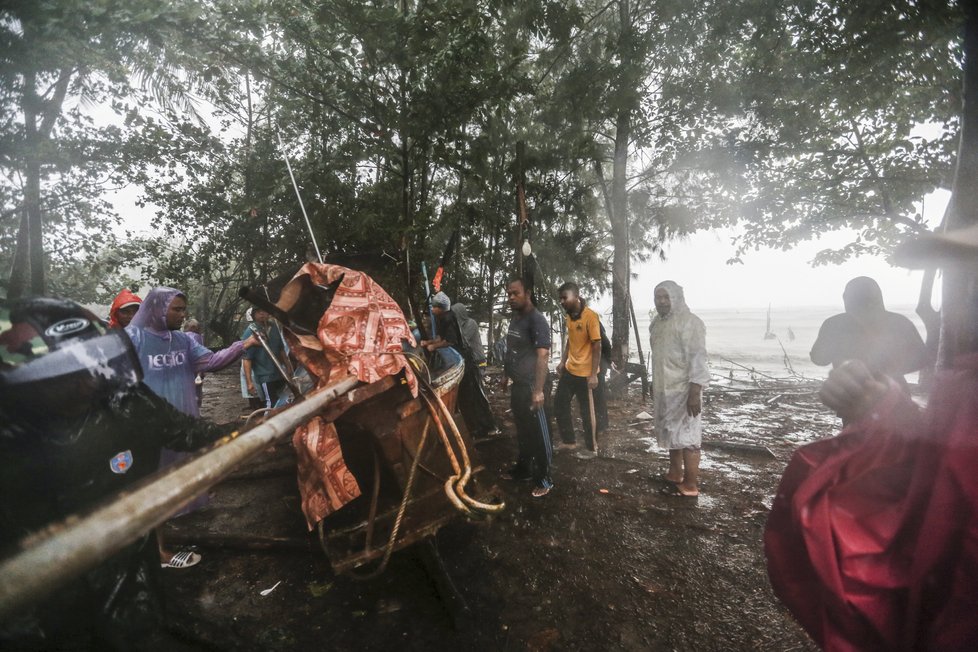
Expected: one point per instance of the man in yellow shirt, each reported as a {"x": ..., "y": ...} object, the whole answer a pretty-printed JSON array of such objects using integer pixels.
[{"x": 579, "y": 366}]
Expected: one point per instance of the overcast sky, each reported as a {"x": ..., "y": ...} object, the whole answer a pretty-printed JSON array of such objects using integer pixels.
[{"x": 779, "y": 278}]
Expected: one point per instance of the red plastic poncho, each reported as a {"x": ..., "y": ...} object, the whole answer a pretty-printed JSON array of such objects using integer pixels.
[{"x": 872, "y": 541}]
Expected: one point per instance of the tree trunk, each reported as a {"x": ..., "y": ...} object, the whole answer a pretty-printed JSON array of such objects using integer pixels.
[
  {"x": 17, "y": 284},
  {"x": 621, "y": 260},
  {"x": 625, "y": 99},
  {"x": 32, "y": 186},
  {"x": 959, "y": 313}
]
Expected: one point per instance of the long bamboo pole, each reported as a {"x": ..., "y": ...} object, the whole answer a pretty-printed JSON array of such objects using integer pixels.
[{"x": 77, "y": 545}]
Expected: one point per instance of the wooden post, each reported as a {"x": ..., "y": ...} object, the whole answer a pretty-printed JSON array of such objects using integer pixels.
[{"x": 638, "y": 345}]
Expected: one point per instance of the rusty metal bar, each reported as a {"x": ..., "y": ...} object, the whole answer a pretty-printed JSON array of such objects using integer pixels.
[{"x": 78, "y": 544}]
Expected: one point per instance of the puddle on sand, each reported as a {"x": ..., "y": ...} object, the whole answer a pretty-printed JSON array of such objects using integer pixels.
[{"x": 706, "y": 502}]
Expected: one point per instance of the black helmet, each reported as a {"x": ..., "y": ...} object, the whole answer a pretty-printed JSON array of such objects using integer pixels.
[{"x": 57, "y": 357}]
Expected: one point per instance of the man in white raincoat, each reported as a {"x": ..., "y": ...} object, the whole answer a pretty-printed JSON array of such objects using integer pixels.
[{"x": 679, "y": 373}]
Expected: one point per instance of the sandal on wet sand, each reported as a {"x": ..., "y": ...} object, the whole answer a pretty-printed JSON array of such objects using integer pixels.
[
  {"x": 674, "y": 491},
  {"x": 183, "y": 559}
]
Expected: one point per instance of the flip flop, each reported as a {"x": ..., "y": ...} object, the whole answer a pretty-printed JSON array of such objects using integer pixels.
[
  {"x": 183, "y": 559},
  {"x": 674, "y": 492},
  {"x": 540, "y": 492},
  {"x": 662, "y": 478}
]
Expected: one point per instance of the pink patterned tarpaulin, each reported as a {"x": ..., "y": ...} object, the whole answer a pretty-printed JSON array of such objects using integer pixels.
[{"x": 360, "y": 334}]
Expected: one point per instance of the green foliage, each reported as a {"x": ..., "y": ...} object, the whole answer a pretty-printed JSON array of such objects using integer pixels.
[
  {"x": 836, "y": 94},
  {"x": 402, "y": 122}
]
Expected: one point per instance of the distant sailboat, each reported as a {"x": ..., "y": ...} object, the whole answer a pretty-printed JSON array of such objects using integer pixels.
[
  {"x": 768, "y": 335},
  {"x": 791, "y": 334}
]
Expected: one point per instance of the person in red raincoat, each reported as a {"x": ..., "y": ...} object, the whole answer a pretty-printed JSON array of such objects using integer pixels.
[
  {"x": 123, "y": 309},
  {"x": 872, "y": 541}
]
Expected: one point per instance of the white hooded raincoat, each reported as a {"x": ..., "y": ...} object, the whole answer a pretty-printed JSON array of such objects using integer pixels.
[{"x": 678, "y": 352}]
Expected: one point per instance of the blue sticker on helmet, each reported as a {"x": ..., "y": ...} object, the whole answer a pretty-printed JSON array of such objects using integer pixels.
[{"x": 121, "y": 462}]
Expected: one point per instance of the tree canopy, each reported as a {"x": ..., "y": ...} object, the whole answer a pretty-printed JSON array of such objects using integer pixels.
[{"x": 624, "y": 122}]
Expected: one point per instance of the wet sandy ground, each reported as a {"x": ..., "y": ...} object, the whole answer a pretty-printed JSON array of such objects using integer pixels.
[{"x": 605, "y": 562}]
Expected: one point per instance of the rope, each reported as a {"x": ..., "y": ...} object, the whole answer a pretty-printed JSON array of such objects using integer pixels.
[
  {"x": 405, "y": 499},
  {"x": 464, "y": 480},
  {"x": 373, "y": 500},
  {"x": 449, "y": 484},
  {"x": 252, "y": 415}
]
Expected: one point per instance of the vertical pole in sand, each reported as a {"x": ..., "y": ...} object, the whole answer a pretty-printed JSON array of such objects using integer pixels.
[{"x": 594, "y": 420}]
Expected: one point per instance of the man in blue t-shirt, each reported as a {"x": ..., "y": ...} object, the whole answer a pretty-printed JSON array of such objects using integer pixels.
[
  {"x": 264, "y": 381},
  {"x": 527, "y": 356}
]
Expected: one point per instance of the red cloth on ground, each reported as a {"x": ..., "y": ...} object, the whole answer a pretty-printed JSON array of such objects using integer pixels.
[
  {"x": 359, "y": 334},
  {"x": 872, "y": 541},
  {"x": 121, "y": 299}
]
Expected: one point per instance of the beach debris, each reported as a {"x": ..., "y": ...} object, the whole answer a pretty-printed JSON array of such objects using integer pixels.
[
  {"x": 319, "y": 589},
  {"x": 644, "y": 415},
  {"x": 269, "y": 590},
  {"x": 773, "y": 399},
  {"x": 737, "y": 447},
  {"x": 632, "y": 471},
  {"x": 647, "y": 586},
  {"x": 603, "y": 491}
]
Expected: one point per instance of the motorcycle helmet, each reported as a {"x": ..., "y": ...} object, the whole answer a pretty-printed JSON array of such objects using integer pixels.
[{"x": 57, "y": 358}]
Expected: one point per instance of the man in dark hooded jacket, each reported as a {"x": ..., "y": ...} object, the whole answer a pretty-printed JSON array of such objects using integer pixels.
[
  {"x": 472, "y": 401},
  {"x": 886, "y": 342},
  {"x": 76, "y": 427}
]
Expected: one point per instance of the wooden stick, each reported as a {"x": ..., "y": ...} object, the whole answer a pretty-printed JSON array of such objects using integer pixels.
[{"x": 594, "y": 420}]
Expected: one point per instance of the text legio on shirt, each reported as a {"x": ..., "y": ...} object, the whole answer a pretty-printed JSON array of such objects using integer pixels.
[{"x": 167, "y": 360}]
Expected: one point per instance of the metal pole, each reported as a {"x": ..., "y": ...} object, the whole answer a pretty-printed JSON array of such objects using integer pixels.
[
  {"x": 299, "y": 197},
  {"x": 427, "y": 289},
  {"x": 79, "y": 544}
]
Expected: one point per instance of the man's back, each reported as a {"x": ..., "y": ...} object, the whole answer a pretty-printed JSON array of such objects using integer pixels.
[{"x": 889, "y": 344}]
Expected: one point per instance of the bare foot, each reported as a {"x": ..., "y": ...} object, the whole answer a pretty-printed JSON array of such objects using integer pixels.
[
  {"x": 688, "y": 490},
  {"x": 673, "y": 479}
]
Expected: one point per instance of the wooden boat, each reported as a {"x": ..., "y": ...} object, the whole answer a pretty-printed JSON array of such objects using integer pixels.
[
  {"x": 412, "y": 461},
  {"x": 408, "y": 462}
]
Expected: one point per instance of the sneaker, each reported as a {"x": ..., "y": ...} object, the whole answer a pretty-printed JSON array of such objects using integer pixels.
[{"x": 540, "y": 492}]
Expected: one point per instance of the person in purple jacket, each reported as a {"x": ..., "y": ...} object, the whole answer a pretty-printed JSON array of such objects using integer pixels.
[{"x": 171, "y": 360}]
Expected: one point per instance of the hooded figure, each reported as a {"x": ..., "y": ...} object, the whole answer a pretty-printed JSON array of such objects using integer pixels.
[
  {"x": 125, "y": 302},
  {"x": 886, "y": 342},
  {"x": 470, "y": 333},
  {"x": 456, "y": 334},
  {"x": 171, "y": 359},
  {"x": 678, "y": 353}
]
